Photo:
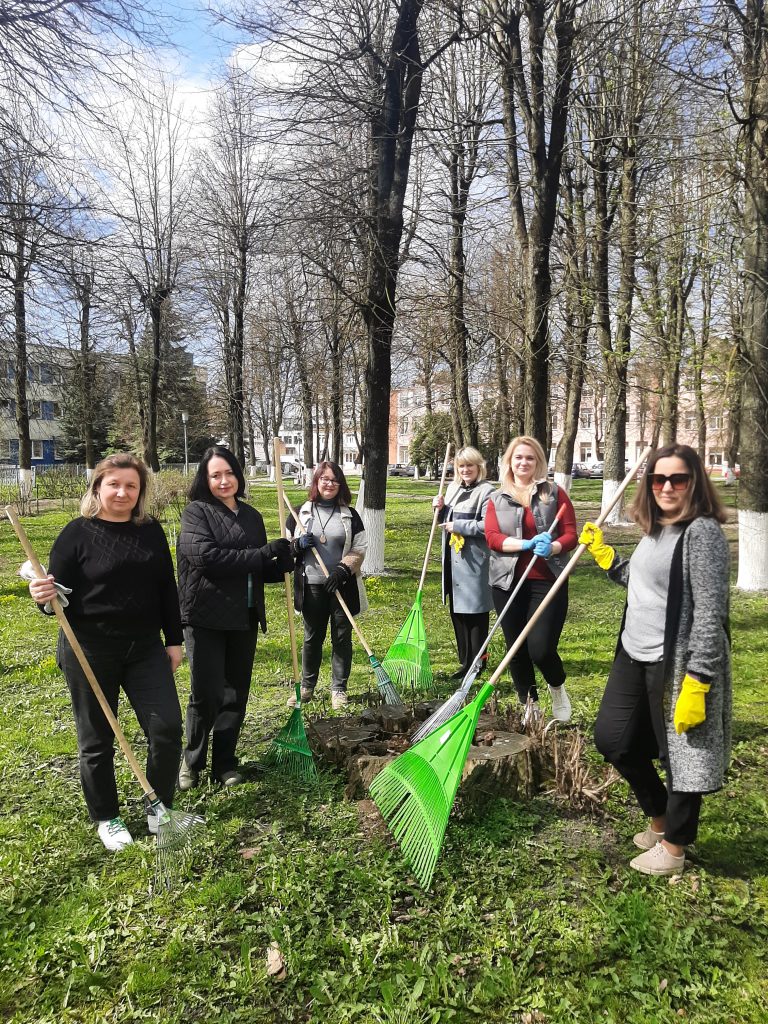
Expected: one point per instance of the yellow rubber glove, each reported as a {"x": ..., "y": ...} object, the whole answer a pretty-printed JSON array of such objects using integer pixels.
[
  {"x": 592, "y": 538},
  {"x": 691, "y": 707},
  {"x": 457, "y": 541}
]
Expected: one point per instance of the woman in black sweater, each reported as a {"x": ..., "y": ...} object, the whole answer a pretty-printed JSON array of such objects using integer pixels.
[
  {"x": 116, "y": 561},
  {"x": 224, "y": 560}
]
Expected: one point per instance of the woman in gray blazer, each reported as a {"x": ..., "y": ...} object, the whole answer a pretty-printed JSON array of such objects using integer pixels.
[
  {"x": 669, "y": 691},
  {"x": 465, "y": 585}
]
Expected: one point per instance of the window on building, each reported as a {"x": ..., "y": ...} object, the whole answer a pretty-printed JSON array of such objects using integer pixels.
[
  {"x": 404, "y": 424},
  {"x": 46, "y": 373},
  {"x": 554, "y": 419},
  {"x": 7, "y": 369},
  {"x": 37, "y": 449},
  {"x": 8, "y": 408},
  {"x": 585, "y": 418},
  {"x": 34, "y": 409},
  {"x": 716, "y": 422},
  {"x": 715, "y": 458},
  {"x": 690, "y": 421}
]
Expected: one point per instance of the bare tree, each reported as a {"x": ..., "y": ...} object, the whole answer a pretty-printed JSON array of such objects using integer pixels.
[
  {"x": 746, "y": 40},
  {"x": 231, "y": 211},
  {"x": 534, "y": 45},
  {"x": 148, "y": 200}
]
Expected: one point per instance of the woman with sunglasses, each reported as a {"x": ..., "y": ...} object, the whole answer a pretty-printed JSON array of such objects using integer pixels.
[
  {"x": 335, "y": 530},
  {"x": 668, "y": 695}
]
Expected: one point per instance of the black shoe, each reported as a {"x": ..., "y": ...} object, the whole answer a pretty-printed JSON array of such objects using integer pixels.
[{"x": 458, "y": 674}]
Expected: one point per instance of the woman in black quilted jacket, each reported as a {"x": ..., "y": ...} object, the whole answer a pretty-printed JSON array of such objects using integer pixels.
[{"x": 224, "y": 560}]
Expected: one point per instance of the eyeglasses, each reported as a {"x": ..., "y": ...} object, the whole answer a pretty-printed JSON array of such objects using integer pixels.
[
  {"x": 678, "y": 481},
  {"x": 331, "y": 480}
]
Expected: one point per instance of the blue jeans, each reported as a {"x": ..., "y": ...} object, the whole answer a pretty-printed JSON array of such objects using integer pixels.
[{"x": 141, "y": 668}]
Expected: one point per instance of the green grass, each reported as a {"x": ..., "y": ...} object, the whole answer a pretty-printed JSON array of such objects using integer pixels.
[{"x": 534, "y": 914}]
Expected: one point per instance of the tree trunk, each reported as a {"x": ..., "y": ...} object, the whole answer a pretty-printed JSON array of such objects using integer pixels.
[
  {"x": 391, "y": 138},
  {"x": 753, "y": 488},
  {"x": 21, "y": 342}
]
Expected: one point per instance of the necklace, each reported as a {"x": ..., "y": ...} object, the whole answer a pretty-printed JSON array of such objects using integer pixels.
[{"x": 323, "y": 525}]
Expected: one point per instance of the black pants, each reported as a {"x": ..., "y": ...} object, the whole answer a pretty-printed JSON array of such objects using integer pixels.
[
  {"x": 471, "y": 631},
  {"x": 141, "y": 667},
  {"x": 318, "y": 608},
  {"x": 630, "y": 733},
  {"x": 540, "y": 647},
  {"x": 221, "y": 665}
]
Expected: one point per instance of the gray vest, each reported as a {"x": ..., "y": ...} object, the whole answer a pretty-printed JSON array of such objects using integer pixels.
[{"x": 509, "y": 514}]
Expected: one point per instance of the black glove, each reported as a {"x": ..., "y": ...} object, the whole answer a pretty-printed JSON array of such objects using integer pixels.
[
  {"x": 337, "y": 578},
  {"x": 286, "y": 562},
  {"x": 306, "y": 540},
  {"x": 280, "y": 548}
]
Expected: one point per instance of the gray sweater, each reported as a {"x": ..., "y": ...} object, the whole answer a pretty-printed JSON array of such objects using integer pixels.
[{"x": 696, "y": 640}]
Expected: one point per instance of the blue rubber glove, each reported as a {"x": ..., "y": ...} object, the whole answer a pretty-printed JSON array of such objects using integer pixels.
[
  {"x": 527, "y": 545},
  {"x": 542, "y": 546}
]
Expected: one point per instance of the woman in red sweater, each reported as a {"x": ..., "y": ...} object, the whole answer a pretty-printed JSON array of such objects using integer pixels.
[{"x": 520, "y": 523}]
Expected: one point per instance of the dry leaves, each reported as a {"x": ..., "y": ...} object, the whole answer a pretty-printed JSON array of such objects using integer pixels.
[{"x": 276, "y": 966}]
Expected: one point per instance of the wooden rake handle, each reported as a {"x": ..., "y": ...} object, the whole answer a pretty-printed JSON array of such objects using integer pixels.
[
  {"x": 446, "y": 460},
  {"x": 324, "y": 570},
  {"x": 277, "y": 447},
  {"x": 80, "y": 655},
  {"x": 566, "y": 572}
]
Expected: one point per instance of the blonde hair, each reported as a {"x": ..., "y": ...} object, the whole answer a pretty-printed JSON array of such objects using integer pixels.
[
  {"x": 508, "y": 483},
  {"x": 470, "y": 456},
  {"x": 90, "y": 506}
]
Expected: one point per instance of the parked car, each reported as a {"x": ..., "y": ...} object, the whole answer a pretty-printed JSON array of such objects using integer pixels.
[
  {"x": 596, "y": 470},
  {"x": 400, "y": 469},
  {"x": 580, "y": 471}
]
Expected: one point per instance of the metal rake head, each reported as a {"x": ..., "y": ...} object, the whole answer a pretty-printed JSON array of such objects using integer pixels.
[
  {"x": 174, "y": 844},
  {"x": 384, "y": 684}
]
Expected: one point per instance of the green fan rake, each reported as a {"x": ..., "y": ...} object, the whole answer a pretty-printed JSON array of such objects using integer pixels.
[
  {"x": 383, "y": 682},
  {"x": 290, "y": 753},
  {"x": 174, "y": 828},
  {"x": 416, "y": 791},
  {"x": 407, "y": 660}
]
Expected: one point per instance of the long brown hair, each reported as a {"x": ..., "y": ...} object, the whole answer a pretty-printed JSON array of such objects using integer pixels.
[
  {"x": 90, "y": 506},
  {"x": 343, "y": 495},
  {"x": 701, "y": 500}
]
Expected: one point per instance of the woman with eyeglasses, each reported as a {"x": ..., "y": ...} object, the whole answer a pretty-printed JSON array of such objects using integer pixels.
[
  {"x": 668, "y": 695},
  {"x": 224, "y": 560},
  {"x": 335, "y": 530}
]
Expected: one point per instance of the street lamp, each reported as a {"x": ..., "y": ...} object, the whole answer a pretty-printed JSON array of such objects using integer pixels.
[{"x": 184, "y": 419}]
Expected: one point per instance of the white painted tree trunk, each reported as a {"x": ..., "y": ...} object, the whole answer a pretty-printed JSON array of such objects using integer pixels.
[
  {"x": 88, "y": 473},
  {"x": 616, "y": 515},
  {"x": 26, "y": 482},
  {"x": 374, "y": 529},
  {"x": 564, "y": 480},
  {"x": 753, "y": 550},
  {"x": 360, "y": 501},
  {"x": 271, "y": 474},
  {"x": 415, "y": 472}
]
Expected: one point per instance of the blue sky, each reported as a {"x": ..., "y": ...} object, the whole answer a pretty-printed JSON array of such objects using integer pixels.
[{"x": 202, "y": 45}]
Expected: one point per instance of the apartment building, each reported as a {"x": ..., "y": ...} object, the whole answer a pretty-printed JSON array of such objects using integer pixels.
[{"x": 44, "y": 397}]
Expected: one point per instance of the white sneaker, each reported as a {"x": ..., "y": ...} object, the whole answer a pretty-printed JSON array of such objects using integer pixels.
[
  {"x": 339, "y": 700},
  {"x": 114, "y": 834},
  {"x": 561, "y": 704},
  {"x": 531, "y": 713}
]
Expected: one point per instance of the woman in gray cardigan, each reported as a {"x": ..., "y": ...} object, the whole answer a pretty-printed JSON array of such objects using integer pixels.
[
  {"x": 669, "y": 691},
  {"x": 465, "y": 555}
]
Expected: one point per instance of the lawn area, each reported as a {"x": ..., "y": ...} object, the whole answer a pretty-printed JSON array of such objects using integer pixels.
[{"x": 534, "y": 914}]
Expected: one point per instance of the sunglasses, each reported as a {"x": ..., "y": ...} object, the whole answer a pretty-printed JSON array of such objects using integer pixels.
[{"x": 678, "y": 481}]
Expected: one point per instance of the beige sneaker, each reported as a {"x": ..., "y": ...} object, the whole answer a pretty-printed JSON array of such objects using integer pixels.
[
  {"x": 658, "y": 861},
  {"x": 339, "y": 700},
  {"x": 648, "y": 839},
  {"x": 306, "y": 697}
]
